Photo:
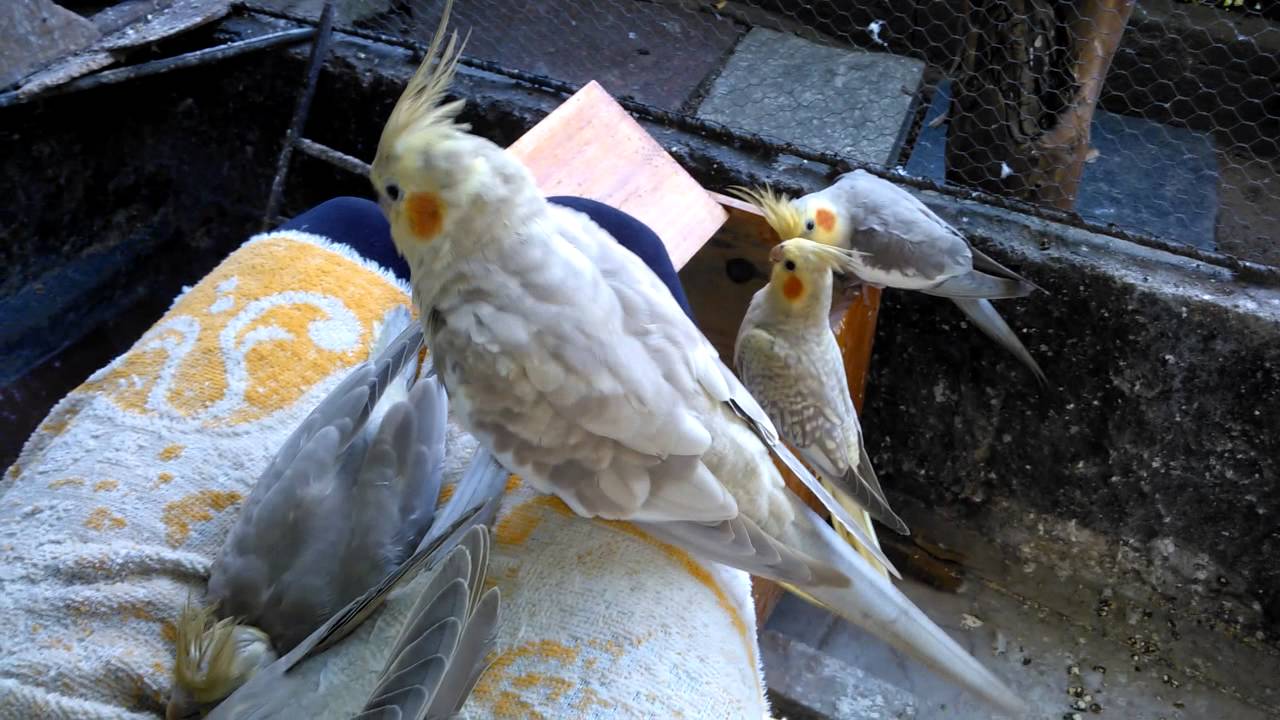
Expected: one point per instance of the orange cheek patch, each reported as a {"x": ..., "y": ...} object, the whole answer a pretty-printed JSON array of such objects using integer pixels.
[
  {"x": 826, "y": 220},
  {"x": 792, "y": 288},
  {"x": 426, "y": 214}
]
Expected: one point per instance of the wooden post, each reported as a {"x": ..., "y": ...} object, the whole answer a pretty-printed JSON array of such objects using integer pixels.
[{"x": 1023, "y": 100}]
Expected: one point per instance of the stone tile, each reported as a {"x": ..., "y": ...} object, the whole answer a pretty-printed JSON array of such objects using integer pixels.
[
  {"x": 1040, "y": 653},
  {"x": 34, "y": 33},
  {"x": 651, "y": 52},
  {"x": 821, "y": 683},
  {"x": 1148, "y": 177},
  {"x": 843, "y": 100}
]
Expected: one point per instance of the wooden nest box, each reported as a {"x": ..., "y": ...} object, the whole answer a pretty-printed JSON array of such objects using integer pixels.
[{"x": 591, "y": 147}]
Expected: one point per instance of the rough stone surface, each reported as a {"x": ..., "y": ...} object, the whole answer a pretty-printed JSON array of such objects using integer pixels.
[
  {"x": 345, "y": 12},
  {"x": 165, "y": 20},
  {"x": 836, "y": 99},
  {"x": 34, "y": 33},
  {"x": 651, "y": 52},
  {"x": 1074, "y": 643},
  {"x": 1147, "y": 177}
]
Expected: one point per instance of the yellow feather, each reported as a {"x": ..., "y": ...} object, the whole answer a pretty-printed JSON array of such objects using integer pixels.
[
  {"x": 864, "y": 518},
  {"x": 781, "y": 215},
  {"x": 421, "y": 107},
  {"x": 207, "y": 653}
]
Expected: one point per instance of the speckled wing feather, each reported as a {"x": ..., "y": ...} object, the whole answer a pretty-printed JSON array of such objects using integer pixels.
[
  {"x": 348, "y": 497},
  {"x": 805, "y": 395}
]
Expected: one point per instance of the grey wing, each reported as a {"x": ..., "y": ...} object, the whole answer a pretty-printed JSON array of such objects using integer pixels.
[
  {"x": 439, "y": 655},
  {"x": 288, "y": 563},
  {"x": 898, "y": 233},
  {"x": 263, "y": 692},
  {"x": 740, "y": 543},
  {"x": 980, "y": 285},
  {"x": 809, "y": 402},
  {"x": 987, "y": 264},
  {"x": 585, "y": 382}
]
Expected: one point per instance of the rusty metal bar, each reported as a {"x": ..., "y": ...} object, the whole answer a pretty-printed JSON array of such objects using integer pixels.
[
  {"x": 319, "y": 50},
  {"x": 157, "y": 67},
  {"x": 341, "y": 160}
]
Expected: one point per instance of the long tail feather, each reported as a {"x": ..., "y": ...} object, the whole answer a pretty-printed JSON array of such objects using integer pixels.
[
  {"x": 976, "y": 284},
  {"x": 872, "y": 602},
  {"x": 985, "y": 317},
  {"x": 441, "y": 649},
  {"x": 864, "y": 518}
]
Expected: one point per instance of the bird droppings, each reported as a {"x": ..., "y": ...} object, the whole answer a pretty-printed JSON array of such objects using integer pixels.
[
  {"x": 1095, "y": 708},
  {"x": 1073, "y": 669},
  {"x": 970, "y": 622},
  {"x": 1100, "y": 669},
  {"x": 1104, "y": 607},
  {"x": 1075, "y": 691}
]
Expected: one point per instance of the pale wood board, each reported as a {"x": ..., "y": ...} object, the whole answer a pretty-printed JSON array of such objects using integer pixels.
[{"x": 591, "y": 147}]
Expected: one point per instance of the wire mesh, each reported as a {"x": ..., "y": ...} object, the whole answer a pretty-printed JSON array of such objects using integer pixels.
[{"x": 1161, "y": 119}]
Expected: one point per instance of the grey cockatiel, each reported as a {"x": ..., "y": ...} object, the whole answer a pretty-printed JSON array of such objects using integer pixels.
[
  {"x": 901, "y": 243},
  {"x": 565, "y": 355},
  {"x": 788, "y": 358},
  {"x": 345, "y": 501},
  {"x": 420, "y": 657}
]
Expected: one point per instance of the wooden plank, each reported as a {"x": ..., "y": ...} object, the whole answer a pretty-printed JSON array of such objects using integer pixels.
[{"x": 591, "y": 147}]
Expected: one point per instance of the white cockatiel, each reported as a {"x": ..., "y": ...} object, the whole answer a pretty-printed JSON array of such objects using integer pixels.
[
  {"x": 565, "y": 355},
  {"x": 348, "y": 498},
  {"x": 788, "y": 358},
  {"x": 900, "y": 243}
]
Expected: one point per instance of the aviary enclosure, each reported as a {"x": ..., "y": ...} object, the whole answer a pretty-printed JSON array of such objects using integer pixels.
[{"x": 1110, "y": 541}]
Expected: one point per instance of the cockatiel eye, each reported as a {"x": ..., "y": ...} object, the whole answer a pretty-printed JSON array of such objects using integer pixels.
[
  {"x": 790, "y": 265},
  {"x": 808, "y": 225},
  {"x": 393, "y": 191}
]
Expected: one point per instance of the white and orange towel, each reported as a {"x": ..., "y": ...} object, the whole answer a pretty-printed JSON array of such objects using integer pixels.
[{"x": 117, "y": 505}]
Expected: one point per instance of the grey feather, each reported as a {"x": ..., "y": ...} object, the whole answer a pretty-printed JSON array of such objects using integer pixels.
[
  {"x": 440, "y": 651},
  {"x": 807, "y": 397},
  {"x": 269, "y": 691},
  {"x": 742, "y": 544},
  {"x": 976, "y": 284},
  {"x": 985, "y": 317},
  {"x": 985, "y": 263},
  {"x": 346, "y": 499},
  {"x": 797, "y": 468}
]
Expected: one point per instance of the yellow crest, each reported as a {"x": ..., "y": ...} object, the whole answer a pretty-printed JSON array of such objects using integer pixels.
[
  {"x": 420, "y": 107},
  {"x": 781, "y": 215}
]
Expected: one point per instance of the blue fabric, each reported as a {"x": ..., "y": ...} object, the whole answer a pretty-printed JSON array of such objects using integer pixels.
[
  {"x": 359, "y": 224},
  {"x": 634, "y": 236}
]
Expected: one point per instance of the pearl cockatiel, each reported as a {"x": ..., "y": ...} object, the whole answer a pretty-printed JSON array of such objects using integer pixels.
[
  {"x": 900, "y": 243},
  {"x": 567, "y": 358},
  {"x": 346, "y": 510},
  {"x": 788, "y": 358}
]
